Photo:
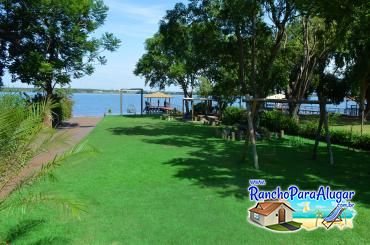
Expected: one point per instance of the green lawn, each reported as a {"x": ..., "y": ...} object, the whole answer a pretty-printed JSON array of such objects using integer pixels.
[
  {"x": 355, "y": 128},
  {"x": 160, "y": 182}
]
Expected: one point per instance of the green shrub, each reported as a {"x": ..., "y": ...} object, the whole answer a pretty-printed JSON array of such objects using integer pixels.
[
  {"x": 63, "y": 100},
  {"x": 67, "y": 105},
  {"x": 265, "y": 133},
  {"x": 200, "y": 108},
  {"x": 62, "y": 109},
  {"x": 20, "y": 123},
  {"x": 233, "y": 115},
  {"x": 62, "y": 106},
  {"x": 276, "y": 121}
]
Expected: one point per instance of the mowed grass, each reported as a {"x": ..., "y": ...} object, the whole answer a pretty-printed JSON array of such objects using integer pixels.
[
  {"x": 355, "y": 128},
  {"x": 160, "y": 182}
]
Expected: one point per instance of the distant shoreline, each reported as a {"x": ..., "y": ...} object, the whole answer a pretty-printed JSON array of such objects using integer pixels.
[{"x": 80, "y": 90}]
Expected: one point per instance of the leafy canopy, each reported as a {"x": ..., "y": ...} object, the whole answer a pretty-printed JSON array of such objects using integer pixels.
[{"x": 52, "y": 40}]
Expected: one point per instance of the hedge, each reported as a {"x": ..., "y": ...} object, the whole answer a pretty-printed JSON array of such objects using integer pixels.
[
  {"x": 233, "y": 115},
  {"x": 275, "y": 121}
]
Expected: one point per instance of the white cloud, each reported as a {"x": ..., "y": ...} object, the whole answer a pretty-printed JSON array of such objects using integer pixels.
[{"x": 150, "y": 14}]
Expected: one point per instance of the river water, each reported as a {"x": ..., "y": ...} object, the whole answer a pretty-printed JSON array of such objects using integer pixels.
[{"x": 98, "y": 104}]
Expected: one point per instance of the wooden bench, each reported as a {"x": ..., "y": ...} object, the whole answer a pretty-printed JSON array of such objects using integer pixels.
[{"x": 213, "y": 120}]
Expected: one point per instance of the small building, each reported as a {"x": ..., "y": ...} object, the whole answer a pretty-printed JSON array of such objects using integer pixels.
[{"x": 271, "y": 212}]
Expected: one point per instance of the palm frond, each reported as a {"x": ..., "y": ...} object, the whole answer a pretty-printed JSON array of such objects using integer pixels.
[{"x": 24, "y": 203}]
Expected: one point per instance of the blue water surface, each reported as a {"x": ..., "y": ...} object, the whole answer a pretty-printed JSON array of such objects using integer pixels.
[{"x": 98, "y": 104}]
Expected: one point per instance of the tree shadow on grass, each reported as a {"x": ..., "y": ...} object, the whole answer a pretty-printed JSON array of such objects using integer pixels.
[
  {"x": 163, "y": 128},
  {"x": 215, "y": 163},
  {"x": 22, "y": 229},
  {"x": 25, "y": 227},
  {"x": 51, "y": 240}
]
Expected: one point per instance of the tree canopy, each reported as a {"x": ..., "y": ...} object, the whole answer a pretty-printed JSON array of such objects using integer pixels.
[
  {"x": 256, "y": 48},
  {"x": 47, "y": 43}
]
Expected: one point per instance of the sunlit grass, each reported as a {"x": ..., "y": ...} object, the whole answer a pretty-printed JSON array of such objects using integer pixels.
[{"x": 158, "y": 182}]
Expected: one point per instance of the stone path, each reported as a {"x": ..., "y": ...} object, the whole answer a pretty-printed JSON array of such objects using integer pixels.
[{"x": 72, "y": 132}]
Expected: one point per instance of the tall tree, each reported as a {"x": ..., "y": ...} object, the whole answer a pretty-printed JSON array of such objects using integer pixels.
[
  {"x": 54, "y": 42},
  {"x": 358, "y": 62},
  {"x": 170, "y": 57}
]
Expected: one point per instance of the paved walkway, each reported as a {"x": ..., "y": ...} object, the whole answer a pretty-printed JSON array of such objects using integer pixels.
[{"x": 72, "y": 132}]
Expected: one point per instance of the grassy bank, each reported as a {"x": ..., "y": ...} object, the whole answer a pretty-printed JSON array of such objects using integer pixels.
[
  {"x": 342, "y": 123},
  {"x": 160, "y": 182}
]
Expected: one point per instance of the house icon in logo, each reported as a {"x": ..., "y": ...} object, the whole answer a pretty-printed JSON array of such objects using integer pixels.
[{"x": 271, "y": 212}]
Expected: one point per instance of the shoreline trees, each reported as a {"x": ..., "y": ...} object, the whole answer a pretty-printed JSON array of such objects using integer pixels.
[{"x": 293, "y": 46}]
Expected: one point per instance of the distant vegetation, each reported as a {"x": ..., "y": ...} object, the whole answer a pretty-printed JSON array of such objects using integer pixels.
[{"x": 80, "y": 90}]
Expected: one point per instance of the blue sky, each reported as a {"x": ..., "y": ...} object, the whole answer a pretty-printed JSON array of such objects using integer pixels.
[{"x": 132, "y": 22}]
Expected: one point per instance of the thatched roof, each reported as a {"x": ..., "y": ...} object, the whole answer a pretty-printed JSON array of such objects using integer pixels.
[{"x": 158, "y": 95}]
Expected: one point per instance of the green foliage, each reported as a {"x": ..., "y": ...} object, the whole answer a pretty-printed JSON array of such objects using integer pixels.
[
  {"x": 20, "y": 123},
  {"x": 204, "y": 88},
  {"x": 265, "y": 133},
  {"x": 170, "y": 58},
  {"x": 200, "y": 108},
  {"x": 56, "y": 39},
  {"x": 276, "y": 121},
  {"x": 333, "y": 88},
  {"x": 62, "y": 105},
  {"x": 233, "y": 115},
  {"x": 23, "y": 202},
  {"x": 65, "y": 106}
]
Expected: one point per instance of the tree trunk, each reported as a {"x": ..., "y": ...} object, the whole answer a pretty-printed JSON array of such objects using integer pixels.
[
  {"x": 293, "y": 109},
  {"x": 301, "y": 81},
  {"x": 319, "y": 129},
  {"x": 252, "y": 138},
  {"x": 186, "y": 95},
  {"x": 254, "y": 58},
  {"x": 49, "y": 89},
  {"x": 327, "y": 136},
  {"x": 250, "y": 111},
  {"x": 367, "y": 108},
  {"x": 363, "y": 90},
  {"x": 323, "y": 121}
]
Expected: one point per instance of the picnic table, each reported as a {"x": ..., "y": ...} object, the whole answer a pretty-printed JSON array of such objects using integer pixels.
[{"x": 213, "y": 120}]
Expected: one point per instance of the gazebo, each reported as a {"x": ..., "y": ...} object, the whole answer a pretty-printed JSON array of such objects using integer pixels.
[{"x": 155, "y": 108}]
